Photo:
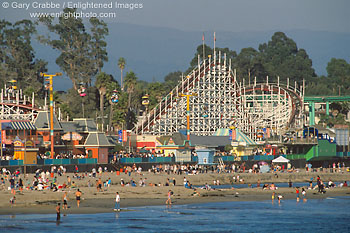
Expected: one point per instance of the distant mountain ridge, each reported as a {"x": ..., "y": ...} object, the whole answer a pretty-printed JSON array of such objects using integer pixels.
[{"x": 153, "y": 52}]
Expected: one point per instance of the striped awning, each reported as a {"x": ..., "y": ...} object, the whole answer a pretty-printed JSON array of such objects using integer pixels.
[
  {"x": 240, "y": 136},
  {"x": 22, "y": 125}
]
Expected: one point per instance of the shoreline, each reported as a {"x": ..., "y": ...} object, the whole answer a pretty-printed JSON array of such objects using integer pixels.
[
  {"x": 105, "y": 205},
  {"x": 44, "y": 202}
]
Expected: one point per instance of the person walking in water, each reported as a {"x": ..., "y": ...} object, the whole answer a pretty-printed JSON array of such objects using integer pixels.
[
  {"x": 168, "y": 201},
  {"x": 78, "y": 197},
  {"x": 65, "y": 201},
  {"x": 58, "y": 211},
  {"x": 303, "y": 192},
  {"x": 117, "y": 202},
  {"x": 297, "y": 193}
]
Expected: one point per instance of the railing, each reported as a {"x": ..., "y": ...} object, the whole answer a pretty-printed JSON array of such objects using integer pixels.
[{"x": 50, "y": 162}]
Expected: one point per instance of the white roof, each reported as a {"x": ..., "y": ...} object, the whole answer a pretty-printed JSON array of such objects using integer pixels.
[{"x": 280, "y": 159}]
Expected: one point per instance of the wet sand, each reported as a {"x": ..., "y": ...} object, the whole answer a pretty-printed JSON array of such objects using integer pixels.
[{"x": 44, "y": 202}]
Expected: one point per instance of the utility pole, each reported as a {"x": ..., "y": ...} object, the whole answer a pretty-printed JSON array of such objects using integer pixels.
[{"x": 50, "y": 76}]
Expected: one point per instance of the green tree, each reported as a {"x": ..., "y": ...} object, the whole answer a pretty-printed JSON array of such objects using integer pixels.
[
  {"x": 337, "y": 68},
  {"x": 121, "y": 65},
  {"x": 130, "y": 83},
  {"x": 110, "y": 88},
  {"x": 209, "y": 52},
  {"x": 339, "y": 74},
  {"x": 17, "y": 57},
  {"x": 249, "y": 65},
  {"x": 81, "y": 54},
  {"x": 281, "y": 57},
  {"x": 76, "y": 102},
  {"x": 156, "y": 92},
  {"x": 99, "y": 31},
  {"x": 171, "y": 80},
  {"x": 103, "y": 80}
]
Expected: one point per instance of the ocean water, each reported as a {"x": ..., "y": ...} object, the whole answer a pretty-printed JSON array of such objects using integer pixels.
[
  {"x": 315, "y": 215},
  {"x": 279, "y": 185}
]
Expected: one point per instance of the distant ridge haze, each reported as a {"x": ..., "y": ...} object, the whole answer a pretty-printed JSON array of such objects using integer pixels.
[{"x": 153, "y": 52}]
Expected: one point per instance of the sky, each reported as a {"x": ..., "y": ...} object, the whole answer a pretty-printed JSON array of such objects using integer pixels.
[
  {"x": 204, "y": 15},
  {"x": 174, "y": 28}
]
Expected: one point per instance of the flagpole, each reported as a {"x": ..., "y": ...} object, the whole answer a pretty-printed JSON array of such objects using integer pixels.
[
  {"x": 214, "y": 42},
  {"x": 203, "y": 48}
]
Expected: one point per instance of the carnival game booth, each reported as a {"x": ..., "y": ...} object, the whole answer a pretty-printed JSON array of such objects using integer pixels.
[
  {"x": 97, "y": 146},
  {"x": 25, "y": 150},
  {"x": 241, "y": 143},
  {"x": 14, "y": 130},
  {"x": 75, "y": 134},
  {"x": 205, "y": 156},
  {"x": 42, "y": 124},
  {"x": 182, "y": 151}
]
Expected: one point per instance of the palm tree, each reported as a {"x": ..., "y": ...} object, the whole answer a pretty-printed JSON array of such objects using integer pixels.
[
  {"x": 130, "y": 81},
  {"x": 121, "y": 64},
  {"x": 103, "y": 80}
]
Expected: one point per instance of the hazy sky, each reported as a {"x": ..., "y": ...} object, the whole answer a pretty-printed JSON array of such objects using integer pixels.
[{"x": 219, "y": 15}]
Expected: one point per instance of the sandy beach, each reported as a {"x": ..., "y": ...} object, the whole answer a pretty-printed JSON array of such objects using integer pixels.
[{"x": 42, "y": 202}]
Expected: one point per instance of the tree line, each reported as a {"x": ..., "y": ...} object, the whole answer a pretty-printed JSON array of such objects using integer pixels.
[{"x": 82, "y": 54}]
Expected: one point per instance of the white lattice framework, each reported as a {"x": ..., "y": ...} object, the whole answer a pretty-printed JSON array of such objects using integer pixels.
[
  {"x": 214, "y": 106},
  {"x": 274, "y": 106},
  {"x": 222, "y": 102},
  {"x": 16, "y": 106}
]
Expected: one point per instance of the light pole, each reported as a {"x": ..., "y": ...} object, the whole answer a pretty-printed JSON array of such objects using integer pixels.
[
  {"x": 49, "y": 78},
  {"x": 187, "y": 112}
]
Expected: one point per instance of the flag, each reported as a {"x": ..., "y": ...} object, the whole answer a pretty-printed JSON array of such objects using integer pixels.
[
  {"x": 120, "y": 133},
  {"x": 203, "y": 37},
  {"x": 214, "y": 37}
]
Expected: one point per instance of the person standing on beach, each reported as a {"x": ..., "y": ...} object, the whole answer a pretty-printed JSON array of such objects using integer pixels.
[
  {"x": 297, "y": 193},
  {"x": 58, "y": 211},
  {"x": 65, "y": 199},
  {"x": 168, "y": 201},
  {"x": 20, "y": 184},
  {"x": 273, "y": 196},
  {"x": 117, "y": 202},
  {"x": 78, "y": 197},
  {"x": 12, "y": 185}
]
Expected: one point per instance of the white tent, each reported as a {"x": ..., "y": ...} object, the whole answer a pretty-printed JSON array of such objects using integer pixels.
[{"x": 280, "y": 159}]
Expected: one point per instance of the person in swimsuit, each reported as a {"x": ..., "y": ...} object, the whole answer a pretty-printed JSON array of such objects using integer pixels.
[
  {"x": 78, "y": 196},
  {"x": 297, "y": 192},
  {"x": 168, "y": 201},
  {"x": 273, "y": 196},
  {"x": 58, "y": 211},
  {"x": 65, "y": 199},
  {"x": 279, "y": 198},
  {"x": 303, "y": 192}
]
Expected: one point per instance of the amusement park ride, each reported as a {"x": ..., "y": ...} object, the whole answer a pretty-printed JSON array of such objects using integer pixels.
[
  {"x": 15, "y": 105},
  {"x": 223, "y": 102}
]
